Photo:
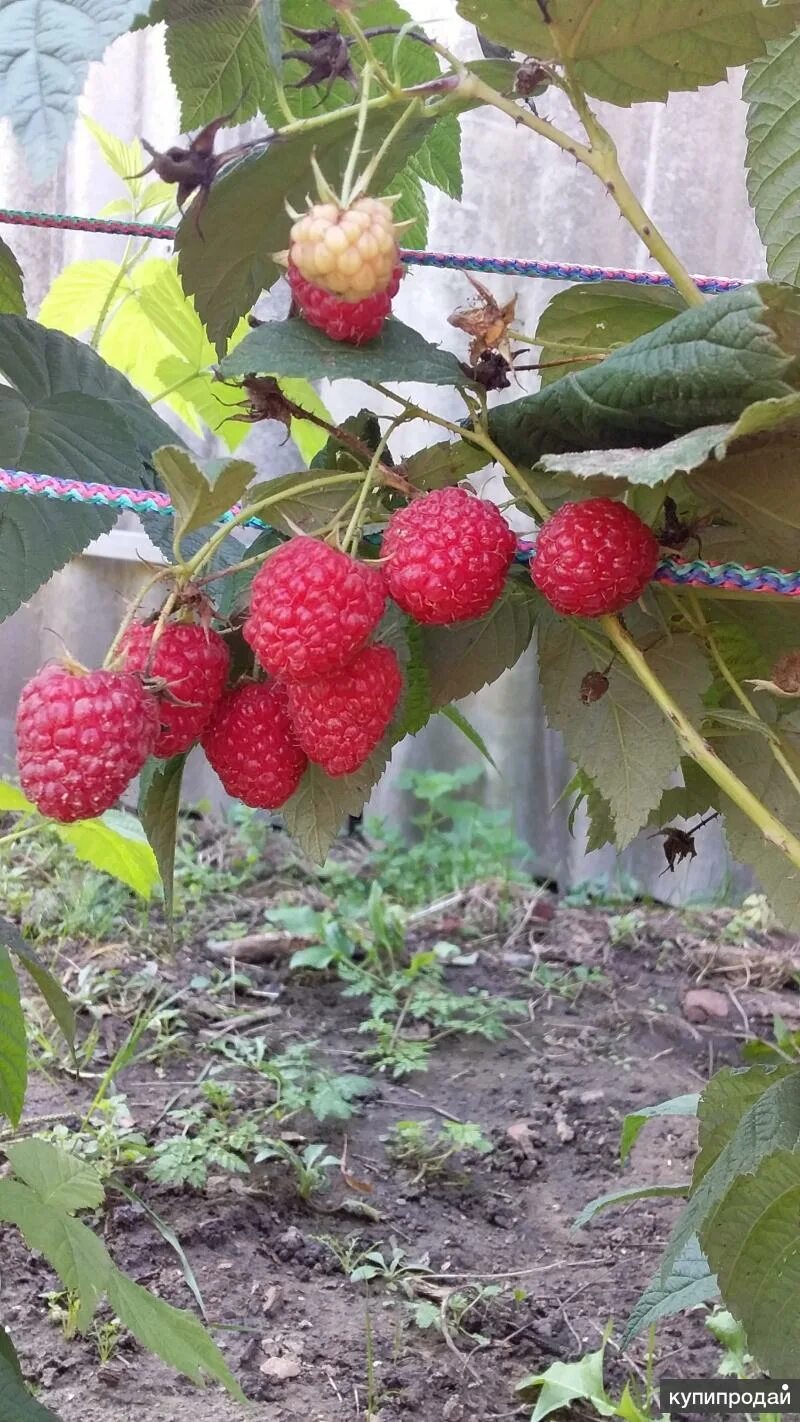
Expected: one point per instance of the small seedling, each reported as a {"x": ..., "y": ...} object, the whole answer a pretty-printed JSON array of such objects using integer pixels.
[
  {"x": 433, "y": 1152},
  {"x": 63, "y": 1308}
]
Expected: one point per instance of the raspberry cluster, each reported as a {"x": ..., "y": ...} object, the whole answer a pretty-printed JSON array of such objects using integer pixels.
[{"x": 344, "y": 268}]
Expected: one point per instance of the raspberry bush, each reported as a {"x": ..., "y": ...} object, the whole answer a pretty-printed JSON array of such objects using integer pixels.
[{"x": 334, "y": 611}]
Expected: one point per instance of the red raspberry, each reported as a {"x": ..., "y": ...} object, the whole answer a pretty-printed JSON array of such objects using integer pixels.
[
  {"x": 81, "y": 739},
  {"x": 593, "y": 558},
  {"x": 193, "y": 663},
  {"x": 340, "y": 719},
  {"x": 353, "y": 321},
  {"x": 447, "y": 556},
  {"x": 311, "y": 609},
  {"x": 251, "y": 744}
]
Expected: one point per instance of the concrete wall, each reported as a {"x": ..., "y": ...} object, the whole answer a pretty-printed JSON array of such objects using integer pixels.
[{"x": 522, "y": 198}]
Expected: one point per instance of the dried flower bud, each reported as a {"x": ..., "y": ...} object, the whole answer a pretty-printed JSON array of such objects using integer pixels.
[
  {"x": 593, "y": 687},
  {"x": 786, "y": 673}
]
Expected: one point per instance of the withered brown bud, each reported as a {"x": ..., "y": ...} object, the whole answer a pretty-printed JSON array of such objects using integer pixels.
[
  {"x": 532, "y": 79},
  {"x": 327, "y": 57},
  {"x": 491, "y": 371},
  {"x": 593, "y": 687},
  {"x": 786, "y": 673},
  {"x": 678, "y": 845}
]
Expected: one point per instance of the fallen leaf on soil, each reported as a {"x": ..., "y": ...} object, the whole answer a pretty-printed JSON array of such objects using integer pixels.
[
  {"x": 702, "y": 1004},
  {"x": 256, "y": 947}
]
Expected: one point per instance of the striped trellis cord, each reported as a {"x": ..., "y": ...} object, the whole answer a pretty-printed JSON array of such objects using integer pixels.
[{"x": 728, "y": 577}]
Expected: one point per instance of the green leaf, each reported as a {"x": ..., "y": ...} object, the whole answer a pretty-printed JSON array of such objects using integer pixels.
[
  {"x": 12, "y": 296},
  {"x": 16, "y": 1402},
  {"x": 13, "y": 1043},
  {"x": 115, "y": 845},
  {"x": 172, "y": 1334},
  {"x": 689, "y": 1282},
  {"x": 750, "y": 756},
  {"x": 58, "y": 1179},
  {"x": 728, "y": 1096},
  {"x": 565, "y": 1383},
  {"x": 635, "y": 1121},
  {"x": 45, "y": 50},
  {"x": 159, "y": 803},
  {"x": 704, "y": 367},
  {"x": 217, "y": 59},
  {"x": 623, "y": 741},
  {"x": 49, "y": 986},
  {"x": 76, "y": 297},
  {"x": 245, "y": 221},
  {"x": 752, "y": 1243},
  {"x": 411, "y": 206},
  {"x": 270, "y": 14},
  {"x": 627, "y": 54},
  {"x": 626, "y": 1196},
  {"x": 302, "y": 510},
  {"x": 201, "y": 496},
  {"x": 295, "y": 348},
  {"x": 770, "y": 1123},
  {"x": 773, "y": 143},
  {"x": 322, "y": 804},
  {"x": 417, "y": 707},
  {"x": 586, "y": 323},
  {"x": 473, "y": 735},
  {"x": 438, "y": 160},
  {"x": 470, "y": 655},
  {"x": 79, "y": 1258},
  {"x": 443, "y": 464}
]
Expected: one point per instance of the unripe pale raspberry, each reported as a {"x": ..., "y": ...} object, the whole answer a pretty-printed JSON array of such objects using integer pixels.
[
  {"x": 251, "y": 744},
  {"x": 447, "y": 555},
  {"x": 192, "y": 662},
  {"x": 339, "y": 720},
  {"x": 355, "y": 322},
  {"x": 349, "y": 251},
  {"x": 81, "y": 739},
  {"x": 311, "y": 609},
  {"x": 594, "y": 558}
]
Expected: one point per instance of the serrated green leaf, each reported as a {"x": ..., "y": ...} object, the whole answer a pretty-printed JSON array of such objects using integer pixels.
[
  {"x": 751, "y": 758},
  {"x": 417, "y": 706},
  {"x": 688, "y": 801},
  {"x": 159, "y": 803},
  {"x": 16, "y": 1402},
  {"x": 586, "y": 323},
  {"x": 245, "y": 222},
  {"x": 45, "y": 50},
  {"x": 623, "y": 742},
  {"x": 49, "y": 986},
  {"x": 472, "y": 734},
  {"x": 298, "y": 510},
  {"x": 634, "y": 1123},
  {"x": 13, "y": 1043},
  {"x": 727, "y": 1097},
  {"x": 115, "y": 845},
  {"x": 294, "y": 348},
  {"x": 12, "y": 296},
  {"x": 37, "y": 538},
  {"x": 270, "y": 15},
  {"x": 201, "y": 496},
  {"x": 704, "y": 367},
  {"x": 626, "y": 1196},
  {"x": 752, "y": 1243},
  {"x": 690, "y": 1282},
  {"x": 443, "y": 464},
  {"x": 411, "y": 206},
  {"x": 76, "y": 297},
  {"x": 772, "y": 162},
  {"x": 79, "y": 1258},
  {"x": 627, "y": 54},
  {"x": 564, "y": 1383},
  {"x": 468, "y": 656},
  {"x": 322, "y": 804},
  {"x": 57, "y": 1178},
  {"x": 438, "y": 160},
  {"x": 770, "y": 1123},
  {"x": 124, "y": 159},
  {"x": 172, "y": 1334},
  {"x": 217, "y": 60}
]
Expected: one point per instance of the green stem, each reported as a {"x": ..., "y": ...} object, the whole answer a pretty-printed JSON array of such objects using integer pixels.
[
  {"x": 354, "y": 526},
  {"x": 473, "y": 436},
  {"x": 739, "y": 691},
  {"x": 700, "y": 751},
  {"x": 253, "y": 510},
  {"x": 19, "y": 833},
  {"x": 126, "y": 266},
  {"x": 355, "y": 151},
  {"x": 147, "y": 587},
  {"x": 601, "y": 158},
  {"x": 372, "y": 167}
]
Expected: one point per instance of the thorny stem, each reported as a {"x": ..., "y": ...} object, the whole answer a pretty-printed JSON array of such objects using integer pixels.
[
  {"x": 601, "y": 158},
  {"x": 474, "y": 436},
  {"x": 700, "y": 751},
  {"x": 739, "y": 692}
]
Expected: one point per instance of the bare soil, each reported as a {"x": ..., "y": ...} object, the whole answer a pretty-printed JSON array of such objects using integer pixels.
[{"x": 551, "y": 1096}]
